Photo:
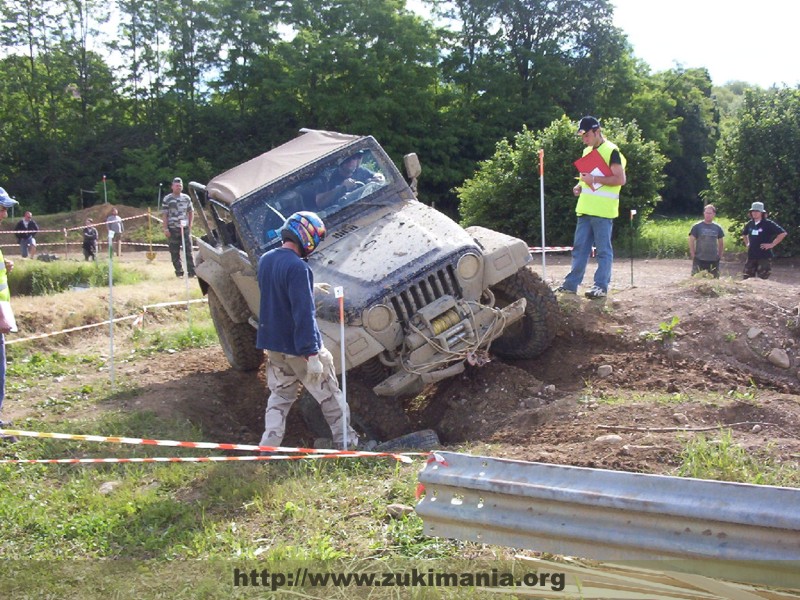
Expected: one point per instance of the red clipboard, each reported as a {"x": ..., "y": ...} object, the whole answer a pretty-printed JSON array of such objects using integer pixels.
[{"x": 593, "y": 164}]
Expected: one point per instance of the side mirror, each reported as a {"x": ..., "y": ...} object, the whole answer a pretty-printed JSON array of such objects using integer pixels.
[
  {"x": 411, "y": 163},
  {"x": 413, "y": 169}
]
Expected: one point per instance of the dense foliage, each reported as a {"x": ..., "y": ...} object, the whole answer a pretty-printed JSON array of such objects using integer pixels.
[
  {"x": 142, "y": 91},
  {"x": 757, "y": 161}
]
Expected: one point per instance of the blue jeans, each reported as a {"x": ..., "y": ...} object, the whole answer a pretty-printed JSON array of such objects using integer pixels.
[
  {"x": 25, "y": 245},
  {"x": 591, "y": 231}
]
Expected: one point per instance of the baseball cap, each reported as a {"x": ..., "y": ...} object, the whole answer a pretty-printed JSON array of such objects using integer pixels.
[
  {"x": 588, "y": 124},
  {"x": 178, "y": 180},
  {"x": 6, "y": 201}
]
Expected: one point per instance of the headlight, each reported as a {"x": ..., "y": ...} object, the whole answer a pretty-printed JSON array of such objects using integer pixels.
[
  {"x": 379, "y": 317},
  {"x": 469, "y": 266}
]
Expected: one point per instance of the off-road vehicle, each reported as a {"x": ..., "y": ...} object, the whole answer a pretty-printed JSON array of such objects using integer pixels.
[{"x": 422, "y": 295}]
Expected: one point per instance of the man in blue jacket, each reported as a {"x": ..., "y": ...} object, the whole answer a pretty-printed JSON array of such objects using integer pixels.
[{"x": 288, "y": 331}]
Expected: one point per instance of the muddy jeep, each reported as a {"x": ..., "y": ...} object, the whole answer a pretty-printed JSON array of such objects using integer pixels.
[{"x": 422, "y": 295}]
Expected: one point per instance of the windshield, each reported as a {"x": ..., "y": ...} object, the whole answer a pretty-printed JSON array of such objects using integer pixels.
[{"x": 327, "y": 189}]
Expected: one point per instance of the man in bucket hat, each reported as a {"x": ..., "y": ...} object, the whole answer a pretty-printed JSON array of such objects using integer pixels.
[{"x": 760, "y": 236}]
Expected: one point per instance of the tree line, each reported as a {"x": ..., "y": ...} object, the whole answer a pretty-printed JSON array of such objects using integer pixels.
[{"x": 141, "y": 91}]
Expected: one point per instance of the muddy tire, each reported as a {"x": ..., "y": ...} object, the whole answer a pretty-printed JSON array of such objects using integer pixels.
[
  {"x": 238, "y": 340},
  {"x": 533, "y": 334}
]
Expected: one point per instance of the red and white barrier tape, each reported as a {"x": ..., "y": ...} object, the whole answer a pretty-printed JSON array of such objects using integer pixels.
[
  {"x": 80, "y": 227},
  {"x": 62, "y": 244},
  {"x": 158, "y": 459},
  {"x": 539, "y": 249},
  {"x": 208, "y": 445}
]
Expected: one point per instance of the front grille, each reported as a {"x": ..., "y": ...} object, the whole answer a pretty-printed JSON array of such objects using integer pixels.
[
  {"x": 442, "y": 282},
  {"x": 343, "y": 231}
]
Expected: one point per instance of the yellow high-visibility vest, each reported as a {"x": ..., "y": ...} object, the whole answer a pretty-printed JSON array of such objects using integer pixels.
[
  {"x": 604, "y": 201},
  {"x": 5, "y": 293}
]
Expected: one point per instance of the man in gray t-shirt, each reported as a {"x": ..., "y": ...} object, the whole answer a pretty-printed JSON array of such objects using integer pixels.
[
  {"x": 178, "y": 214},
  {"x": 706, "y": 244}
]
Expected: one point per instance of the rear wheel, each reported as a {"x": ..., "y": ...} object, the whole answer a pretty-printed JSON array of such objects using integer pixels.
[
  {"x": 533, "y": 334},
  {"x": 238, "y": 340}
]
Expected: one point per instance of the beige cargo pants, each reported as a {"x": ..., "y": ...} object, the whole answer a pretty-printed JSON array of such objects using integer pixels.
[{"x": 284, "y": 372}]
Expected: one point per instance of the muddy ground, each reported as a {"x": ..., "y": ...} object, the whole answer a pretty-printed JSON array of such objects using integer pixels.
[{"x": 662, "y": 382}]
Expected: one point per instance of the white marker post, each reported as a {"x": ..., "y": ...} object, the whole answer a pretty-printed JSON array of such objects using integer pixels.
[
  {"x": 541, "y": 210},
  {"x": 633, "y": 212},
  {"x": 111, "y": 304},
  {"x": 185, "y": 223},
  {"x": 338, "y": 292}
]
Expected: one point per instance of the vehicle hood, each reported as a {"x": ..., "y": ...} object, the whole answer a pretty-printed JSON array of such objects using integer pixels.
[{"x": 382, "y": 254}]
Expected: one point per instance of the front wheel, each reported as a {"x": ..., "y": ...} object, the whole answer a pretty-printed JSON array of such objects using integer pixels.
[
  {"x": 534, "y": 332},
  {"x": 238, "y": 340}
]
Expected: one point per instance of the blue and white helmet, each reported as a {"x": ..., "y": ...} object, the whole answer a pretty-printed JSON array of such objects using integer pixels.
[
  {"x": 6, "y": 201},
  {"x": 305, "y": 229}
]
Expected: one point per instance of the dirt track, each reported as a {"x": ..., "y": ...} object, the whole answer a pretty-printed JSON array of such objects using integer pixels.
[{"x": 712, "y": 373}]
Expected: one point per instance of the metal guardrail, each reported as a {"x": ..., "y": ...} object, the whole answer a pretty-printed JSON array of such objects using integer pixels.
[{"x": 738, "y": 532}]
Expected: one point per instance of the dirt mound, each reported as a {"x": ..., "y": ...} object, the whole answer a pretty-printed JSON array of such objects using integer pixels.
[{"x": 651, "y": 366}]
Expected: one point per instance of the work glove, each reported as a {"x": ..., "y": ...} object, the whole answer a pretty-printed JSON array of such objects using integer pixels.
[
  {"x": 325, "y": 288},
  {"x": 326, "y": 358},
  {"x": 314, "y": 369}
]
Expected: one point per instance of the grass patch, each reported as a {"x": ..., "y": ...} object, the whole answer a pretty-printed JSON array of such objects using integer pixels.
[
  {"x": 722, "y": 459},
  {"x": 191, "y": 511},
  {"x": 705, "y": 285},
  {"x": 37, "y": 278},
  {"x": 201, "y": 334},
  {"x": 24, "y": 365},
  {"x": 665, "y": 237}
]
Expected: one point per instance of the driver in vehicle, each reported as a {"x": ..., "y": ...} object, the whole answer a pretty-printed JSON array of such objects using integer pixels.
[{"x": 348, "y": 176}]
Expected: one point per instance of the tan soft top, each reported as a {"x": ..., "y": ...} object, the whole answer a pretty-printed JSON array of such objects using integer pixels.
[{"x": 261, "y": 170}]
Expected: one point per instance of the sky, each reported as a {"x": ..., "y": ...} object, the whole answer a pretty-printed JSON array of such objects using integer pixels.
[{"x": 754, "y": 41}]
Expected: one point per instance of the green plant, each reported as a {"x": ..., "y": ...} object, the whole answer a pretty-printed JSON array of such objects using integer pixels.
[
  {"x": 406, "y": 538},
  {"x": 665, "y": 333},
  {"x": 748, "y": 395}
]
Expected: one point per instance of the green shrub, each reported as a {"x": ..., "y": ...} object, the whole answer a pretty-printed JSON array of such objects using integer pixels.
[{"x": 504, "y": 193}]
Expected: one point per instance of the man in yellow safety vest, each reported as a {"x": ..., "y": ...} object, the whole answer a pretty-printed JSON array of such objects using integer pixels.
[{"x": 597, "y": 207}]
